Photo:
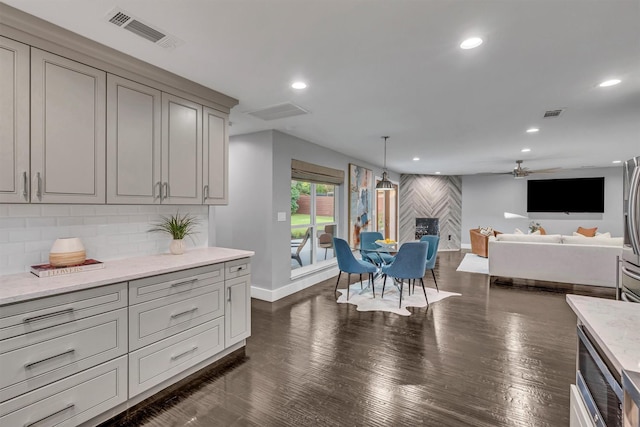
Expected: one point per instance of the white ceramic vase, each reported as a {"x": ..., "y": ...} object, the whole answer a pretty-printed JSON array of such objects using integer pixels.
[{"x": 177, "y": 246}]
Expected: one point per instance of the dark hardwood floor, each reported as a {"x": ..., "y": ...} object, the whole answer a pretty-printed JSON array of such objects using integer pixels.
[{"x": 495, "y": 356}]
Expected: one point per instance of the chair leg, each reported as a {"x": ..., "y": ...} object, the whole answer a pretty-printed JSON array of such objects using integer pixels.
[
  {"x": 373, "y": 288},
  {"x": 337, "y": 281},
  {"x": 360, "y": 280},
  {"x": 384, "y": 283},
  {"x": 401, "y": 286},
  {"x": 325, "y": 253},
  {"x": 348, "y": 285},
  {"x": 434, "y": 279},
  {"x": 425, "y": 291}
]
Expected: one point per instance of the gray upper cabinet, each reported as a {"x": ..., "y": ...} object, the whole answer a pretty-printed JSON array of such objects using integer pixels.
[
  {"x": 181, "y": 151},
  {"x": 14, "y": 121},
  {"x": 133, "y": 142},
  {"x": 215, "y": 157},
  {"x": 67, "y": 130}
]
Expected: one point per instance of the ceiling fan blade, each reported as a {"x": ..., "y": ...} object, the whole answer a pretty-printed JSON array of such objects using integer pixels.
[{"x": 549, "y": 170}]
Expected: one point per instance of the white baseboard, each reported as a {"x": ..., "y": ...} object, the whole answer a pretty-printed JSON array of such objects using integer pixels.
[
  {"x": 465, "y": 245},
  {"x": 293, "y": 287}
]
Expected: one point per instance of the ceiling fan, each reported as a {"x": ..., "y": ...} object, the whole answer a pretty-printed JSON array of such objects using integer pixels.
[{"x": 520, "y": 172}]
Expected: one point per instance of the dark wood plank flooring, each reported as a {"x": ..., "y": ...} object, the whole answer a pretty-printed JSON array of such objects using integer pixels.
[{"x": 495, "y": 356}]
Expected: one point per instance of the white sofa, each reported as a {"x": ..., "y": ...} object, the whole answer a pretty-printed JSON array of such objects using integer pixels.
[{"x": 555, "y": 258}]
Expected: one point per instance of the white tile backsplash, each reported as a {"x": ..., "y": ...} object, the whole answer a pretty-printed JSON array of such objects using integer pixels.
[{"x": 107, "y": 231}]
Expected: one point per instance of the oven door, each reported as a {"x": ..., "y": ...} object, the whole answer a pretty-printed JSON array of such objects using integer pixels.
[
  {"x": 600, "y": 390},
  {"x": 630, "y": 282}
]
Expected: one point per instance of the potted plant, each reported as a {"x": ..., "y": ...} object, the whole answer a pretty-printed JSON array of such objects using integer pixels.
[{"x": 178, "y": 227}]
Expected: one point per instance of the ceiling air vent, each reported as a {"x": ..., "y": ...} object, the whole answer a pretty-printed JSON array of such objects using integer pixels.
[
  {"x": 552, "y": 113},
  {"x": 125, "y": 20},
  {"x": 279, "y": 111}
]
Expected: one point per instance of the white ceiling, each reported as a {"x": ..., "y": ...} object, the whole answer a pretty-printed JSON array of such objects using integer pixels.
[{"x": 393, "y": 67}]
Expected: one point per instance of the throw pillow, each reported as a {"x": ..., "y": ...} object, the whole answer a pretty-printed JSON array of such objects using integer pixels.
[
  {"x": 542, "y": 230},
  {"x": 588, "y": 232},
  {"x": 603, "y": 235},
  {"x": 518, "y": 231},
  {"x": 537, "y": 232},
  {"x": 486, "y": 231}
]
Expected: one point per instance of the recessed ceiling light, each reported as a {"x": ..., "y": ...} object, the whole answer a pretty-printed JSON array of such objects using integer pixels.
[
  {"x": 437, "y": 173},
  {"x": 299, "y": 85},
  {"x": 533, "y": 130},
  {"x": 526, "y": 150},
  {"x": 415, "y": 159},
  {"x": 611, "y": 82},
  {"x": 617, "y": 161},
  {"x": 471, "y": 43}
]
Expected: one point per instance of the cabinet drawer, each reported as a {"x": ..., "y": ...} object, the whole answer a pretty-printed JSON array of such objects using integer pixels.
[
  {"x": 29, "y": 316},
  {"x": 32, "y": 360},
  {"x": 160, "y": 318},
  {"x": 237, "y": 268},
  {"x": 71, "y": 401},
  {"x": 160, "y": 361},
  {"x": 169, "y": 284}
]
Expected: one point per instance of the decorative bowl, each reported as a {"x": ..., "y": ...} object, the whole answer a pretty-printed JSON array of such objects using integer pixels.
[{"x": 67, "y": 251}]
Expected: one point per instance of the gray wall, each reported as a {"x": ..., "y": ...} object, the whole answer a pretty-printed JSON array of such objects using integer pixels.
[
  {"x": 431, "y": 196},
  {"x": 485, "y": 198},
  {"x": 259, "y": 188}
]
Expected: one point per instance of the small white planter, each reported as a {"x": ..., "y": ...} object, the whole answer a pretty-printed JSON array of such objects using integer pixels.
[{"x": 177, "y": 246}]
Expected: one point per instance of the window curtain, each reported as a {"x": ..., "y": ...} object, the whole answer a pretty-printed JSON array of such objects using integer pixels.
[{"x": 308, "y": 172}]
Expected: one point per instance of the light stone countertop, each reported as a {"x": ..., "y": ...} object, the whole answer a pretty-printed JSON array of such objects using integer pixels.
[
  {"x": 615, "y": 325},
  {"x": 26, "y": 286}
]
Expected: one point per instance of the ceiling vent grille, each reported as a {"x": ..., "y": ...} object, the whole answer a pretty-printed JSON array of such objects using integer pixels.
[
  {"x": 552, "y": 113},
  {"x": 125, "y": 20},
  {"x": 279, "y": 111}
]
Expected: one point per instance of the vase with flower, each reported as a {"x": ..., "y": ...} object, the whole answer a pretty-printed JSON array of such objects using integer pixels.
[{"x": 177, "y": 226}]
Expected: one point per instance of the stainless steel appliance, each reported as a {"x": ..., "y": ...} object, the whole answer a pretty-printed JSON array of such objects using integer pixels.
[
  {"x": 630, "y": 278},
  {"x": 598, "y": 384}
]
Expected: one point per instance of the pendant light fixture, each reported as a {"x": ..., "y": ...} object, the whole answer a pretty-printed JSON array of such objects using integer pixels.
[{"x": 385, "y": 184}]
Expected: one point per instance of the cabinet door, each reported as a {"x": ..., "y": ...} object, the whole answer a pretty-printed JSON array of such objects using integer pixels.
[
  {"x": 181, "y": 151},
  {"x": 215, "y": 157},
  {"x": 237, "y": 314},
  {"x": 14, "y": 121},
  {"x": 133, "y": 142},
  {"x": 67, "y": 130}
]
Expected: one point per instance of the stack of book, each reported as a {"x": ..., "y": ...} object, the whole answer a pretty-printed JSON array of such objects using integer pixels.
[{"x": 48, "y": 270}]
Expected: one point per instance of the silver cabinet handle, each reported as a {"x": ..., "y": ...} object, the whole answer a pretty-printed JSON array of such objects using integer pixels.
[
  {"x": 186, "y": 282},
  {"x": 184, "y": 353},
  {"x": 66, "y": 408},
  {"x": 39, "y": 184},
  {"x": 32, "y": 364},
  {"x": 25, "y": 191},
  {"x": 205, "y": 192},
  {"x": 229, "y": 299},
  {"x": 46, "y": 316},
  {"x": 173, "y": 316},
  {"x": 153, "y": 191},
  {"x": 165, "y": 187}
]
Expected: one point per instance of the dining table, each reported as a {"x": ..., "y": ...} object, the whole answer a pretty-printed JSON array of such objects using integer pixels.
[{"x": 373, "y": 253}]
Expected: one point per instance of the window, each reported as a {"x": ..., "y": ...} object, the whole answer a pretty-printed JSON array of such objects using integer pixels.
[{"x": 313, "y": 223}]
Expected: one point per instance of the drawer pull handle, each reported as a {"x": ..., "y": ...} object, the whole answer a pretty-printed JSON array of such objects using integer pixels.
[
  {"x": 184, "y": 353},
  {"x": 49, "y": 416},
  {"x": 187, "y": 282},
  {"x": 46, "y": 316},
  {"x": 32, "y": 364},
  {"x": 173, "y": 316}
]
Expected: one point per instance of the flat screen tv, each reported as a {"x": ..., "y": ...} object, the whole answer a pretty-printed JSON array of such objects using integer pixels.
[{"x": 566, "y": 195}]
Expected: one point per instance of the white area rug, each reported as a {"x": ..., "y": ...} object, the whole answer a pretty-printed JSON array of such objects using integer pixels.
[
  {"x": 473, "y": 263},
  {"x": 365, "y": 301}
]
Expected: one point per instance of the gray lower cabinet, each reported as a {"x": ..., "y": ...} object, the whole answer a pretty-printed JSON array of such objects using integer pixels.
[
  {"x": 69, "y": 358},
  {"x": 68, "y": 140},
  {"x": 14, "y": 121}
]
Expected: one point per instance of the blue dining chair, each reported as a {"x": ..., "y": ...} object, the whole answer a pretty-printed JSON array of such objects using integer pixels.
[
  {"x": 370, "y": 250},
  {"x": 409, "y": 264},
  {"x": 433, "y": 241},
  {"x": 349, "y": 264}
]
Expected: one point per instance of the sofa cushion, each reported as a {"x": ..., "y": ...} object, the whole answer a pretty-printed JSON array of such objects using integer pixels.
[
  {"x": 588, "y": 232},
  {"x": 597, "y": 241},
  {"x": 533, "y": 238}
]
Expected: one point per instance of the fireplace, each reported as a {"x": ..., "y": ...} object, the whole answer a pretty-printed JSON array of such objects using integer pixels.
[{"x": 427, "y": 226}]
